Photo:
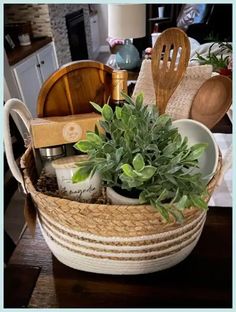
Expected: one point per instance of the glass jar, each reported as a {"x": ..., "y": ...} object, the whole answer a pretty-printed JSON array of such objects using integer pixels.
[{"x": 48, "y": 154}]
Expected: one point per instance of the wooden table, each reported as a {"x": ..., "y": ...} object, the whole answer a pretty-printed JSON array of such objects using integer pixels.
[{"x": 202, "y": 280}]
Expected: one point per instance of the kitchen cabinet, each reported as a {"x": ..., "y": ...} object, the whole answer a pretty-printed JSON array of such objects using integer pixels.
[
  {"x": 31, "y": 72},
  {"x": 94, "y": 34}
]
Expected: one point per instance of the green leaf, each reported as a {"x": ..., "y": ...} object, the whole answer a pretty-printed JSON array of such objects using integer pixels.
[
  {"x": 81, "y": 174},
  {"x": 105, "y": 125},
  {"x": 93, "y": 138},
  {"x": 163, "y": 195},
  {"x": 128, "y": 170},
  {"x": 177, "y": 215},
  {"x": 107, "y": 112},
  {"x": 139, "y": 101},
  {"x": 181, "y": 204},
  {"x": 147, "y": 172},
  {"x": 118, "y": 112},
  {"x": 119, "y": 153},
  {"x": 127, "y": 98},
  {"x": 196, "y": 151},
  {"x": 96, "y": 106},
  {"x": 96, "y": 129},
  {"x": 84, "y": 146},
  {"x": 162, "y": 209},
  {"x": 108, "y": 148},
  {"x": 198, "y": 202},
  {"x": 138, "y": 162},
  {"x": 125, "y": 115}
]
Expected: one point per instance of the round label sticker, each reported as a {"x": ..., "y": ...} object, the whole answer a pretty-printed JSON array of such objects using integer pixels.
[{"x": 72, "y": 132}]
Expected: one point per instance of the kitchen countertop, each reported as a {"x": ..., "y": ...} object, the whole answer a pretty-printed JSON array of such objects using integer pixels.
[{"x": 19, "y": 53}]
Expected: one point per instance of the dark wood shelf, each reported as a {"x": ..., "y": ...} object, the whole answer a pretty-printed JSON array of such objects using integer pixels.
[{"x": 19, "y": 53}]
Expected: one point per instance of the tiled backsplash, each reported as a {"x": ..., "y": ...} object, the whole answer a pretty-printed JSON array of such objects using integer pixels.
[
  {"x": 37, "y": 14},
  {"x": 49, "y": 20}
]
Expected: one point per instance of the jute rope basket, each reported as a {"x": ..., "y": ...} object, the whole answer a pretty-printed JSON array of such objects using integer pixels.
[{"x": 113, "y": 239}]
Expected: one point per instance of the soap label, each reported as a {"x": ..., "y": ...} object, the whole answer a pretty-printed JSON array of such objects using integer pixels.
[{"x": 71, "y": 132}]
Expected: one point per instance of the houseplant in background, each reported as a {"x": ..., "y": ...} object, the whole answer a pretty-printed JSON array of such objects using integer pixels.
[
  {"x": 141, "y": 152},
  {"x": 220, "y": 59}
]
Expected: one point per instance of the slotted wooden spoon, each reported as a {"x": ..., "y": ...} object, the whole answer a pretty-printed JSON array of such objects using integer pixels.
[
  {"x": 171, "y": 45},
  {"x": 212, "y": 100}
]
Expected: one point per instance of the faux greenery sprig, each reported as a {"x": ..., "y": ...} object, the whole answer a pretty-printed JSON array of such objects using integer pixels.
[{"x": 141, "y": 150}]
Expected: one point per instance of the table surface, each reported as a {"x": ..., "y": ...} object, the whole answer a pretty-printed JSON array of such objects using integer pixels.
[{"x": 202, "y": 280}]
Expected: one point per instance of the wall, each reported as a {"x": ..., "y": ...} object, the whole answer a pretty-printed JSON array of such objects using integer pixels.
[
  {"x": 102, "y": 10},
  {"x": 49, "y": 20},
  {"x": 57, "y": 14},
  {"x": 37, "y": 14}
]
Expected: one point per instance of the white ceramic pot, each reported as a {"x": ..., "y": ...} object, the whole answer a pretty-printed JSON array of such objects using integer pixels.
[
  {"x": 196, "y": 132},
  {"x": 117, "y": 199},
  {"x": 86, "y": 190}
]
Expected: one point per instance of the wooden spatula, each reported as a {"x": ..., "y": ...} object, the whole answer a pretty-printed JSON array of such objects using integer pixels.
[
  {"x": 170, "y": 57},
  {"x": 212, "y": 101}
]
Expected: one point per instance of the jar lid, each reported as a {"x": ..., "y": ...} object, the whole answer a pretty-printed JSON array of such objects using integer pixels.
[
  {"x": 120, "y": 74},
  {"x": 52, "y": 151},
  {"x": 68, "y": 162}
]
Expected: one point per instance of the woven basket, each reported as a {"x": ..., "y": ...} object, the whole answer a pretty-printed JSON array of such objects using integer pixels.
[{"x": 113, "y": 239}]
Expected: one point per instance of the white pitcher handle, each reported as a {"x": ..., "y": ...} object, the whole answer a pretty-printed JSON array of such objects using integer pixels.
[{"x": 23, "y": 112}]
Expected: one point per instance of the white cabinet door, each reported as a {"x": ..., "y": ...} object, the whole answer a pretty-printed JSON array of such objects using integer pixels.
[
  {"x": 94, "y": 33},
  {"x": 31, "y": 72},
  {"x": 29, "y": 81},
  {"x": 47, "y": 61}
]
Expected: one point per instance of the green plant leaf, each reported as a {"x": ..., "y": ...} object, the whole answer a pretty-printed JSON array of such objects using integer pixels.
[
  {"x": 105, "y": 125},
  {"x": 147, "y": 172},
  {"x": 127, "y": 98},
  {"x": 96, "y": 129},
  {"x": 198, "y": 202},
  {"x": 84, "y": 146},
  {"x": 196, "y": 151},
  {"x": 138, "y": 162},
  {"x": 128, "y": 170},
  {"x": 181, "y": 204},
  {"x": 119, "y": 153},
  {"x": 81, "y": 174},
  {"x": 162, "y": 209},
  {"x": 139, "y": 101},
  {"x": 96, "y": 106},
  {"x": 107, "y": 112},
  {"x": 178, "y": 215},
  {"x": 118, "y": 112},
  {"x": 93, "y": 138}
]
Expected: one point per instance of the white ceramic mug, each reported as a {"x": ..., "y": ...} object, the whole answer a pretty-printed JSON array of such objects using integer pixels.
[
  {"x": 160, "y": 11},
  {"x": 24, "y": 39},
  {"x": 82, "y": 191}
]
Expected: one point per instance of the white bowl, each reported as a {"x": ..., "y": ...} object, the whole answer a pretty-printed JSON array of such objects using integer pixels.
[{"x": 196, "y": 132}]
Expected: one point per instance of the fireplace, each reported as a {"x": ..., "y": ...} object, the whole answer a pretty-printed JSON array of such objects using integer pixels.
[{"x": 76, "y": 35}]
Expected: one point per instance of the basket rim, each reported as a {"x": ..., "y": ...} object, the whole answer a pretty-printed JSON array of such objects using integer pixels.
[{"x": 210, "y": 184}]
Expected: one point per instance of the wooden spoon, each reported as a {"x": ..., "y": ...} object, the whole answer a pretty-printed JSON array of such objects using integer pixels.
[
  {"x": 212, "y": 100},
  {"x": 166, "y": 73}
]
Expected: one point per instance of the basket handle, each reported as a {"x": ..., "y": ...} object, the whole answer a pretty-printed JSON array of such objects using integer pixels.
[{"x": 23, "y": 112}]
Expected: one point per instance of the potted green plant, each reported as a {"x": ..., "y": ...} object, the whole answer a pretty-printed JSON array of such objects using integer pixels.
[
  {"x": 221, "y": 63},
  {"x": 140, "y": 151}
]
